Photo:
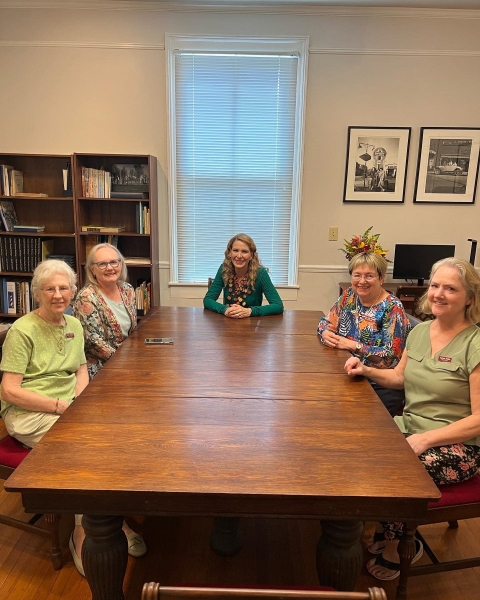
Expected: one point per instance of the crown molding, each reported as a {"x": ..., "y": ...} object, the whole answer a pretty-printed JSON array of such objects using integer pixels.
[
  {"x": 64, "y": 44},
  {"x": 248, "y": 6},
  {"x": 161, "y": 47}
]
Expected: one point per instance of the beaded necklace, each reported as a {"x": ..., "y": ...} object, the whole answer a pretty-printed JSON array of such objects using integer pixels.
[{"x": 238, "y": 289}]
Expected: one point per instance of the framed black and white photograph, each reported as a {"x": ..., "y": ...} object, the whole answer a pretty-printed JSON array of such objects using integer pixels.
[
  {"x": 377, "y": 159},
  {"x": 130, "y": 178},
  {"x": 447, "y": 165}
]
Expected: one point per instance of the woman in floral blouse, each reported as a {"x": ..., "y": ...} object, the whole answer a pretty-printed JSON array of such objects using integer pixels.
[
  {"x": 105, "y": 306},
  {"x": 369, "y": 322}
]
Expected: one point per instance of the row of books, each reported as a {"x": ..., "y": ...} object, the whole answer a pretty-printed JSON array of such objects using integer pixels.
[
  {"x": 11, "y": 180},
  {"x": 143, "y": 297},
  {"x": 22, "y": 254},
  {"x": 142, "y": 218},
  {"x": 16, "y": 296},
  {"x": 96, "y": 183}
]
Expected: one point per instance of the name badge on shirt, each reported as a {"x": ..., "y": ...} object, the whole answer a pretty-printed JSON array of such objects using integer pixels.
[
  {"x": 69, "y": 335},
  {"x": 444, "y": 359}
]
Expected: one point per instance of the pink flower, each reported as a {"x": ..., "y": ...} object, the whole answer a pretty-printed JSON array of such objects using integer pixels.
[{"x": 87, "y": 308}]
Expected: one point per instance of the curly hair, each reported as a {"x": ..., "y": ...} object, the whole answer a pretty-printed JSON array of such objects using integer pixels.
[
  {"x": 228, "y": 271},
  {"x": 470, "y": 280}
]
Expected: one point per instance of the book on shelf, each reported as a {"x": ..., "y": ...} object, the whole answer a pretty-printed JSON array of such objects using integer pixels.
[
  {"x": 8, "y": 215},
  {"x": 16, "y": 183},
  {"x": 27, "y": 228},
  {"x": 46, "y": 248},
  {"x": 96, "y": 183},
  {"x": 100, "y": 229},
  {"x": 68, "y": 258},
  {"x": 16, "y": 297},
  {"x": 31, "y": 195},
  {"x": 5, "y": 178},
  {"x": 137, "y": 260},
  {"x": 11, "y": 305}
]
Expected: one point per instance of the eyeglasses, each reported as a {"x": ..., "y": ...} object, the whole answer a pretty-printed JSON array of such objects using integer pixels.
[
  {"x": 367, "y": 277},
  {"x": 63, "y": 289},
  {"x": 103, "y": 265}
]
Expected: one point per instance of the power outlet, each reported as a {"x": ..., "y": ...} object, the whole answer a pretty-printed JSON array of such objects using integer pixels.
[{"x": 333, "y": 234}]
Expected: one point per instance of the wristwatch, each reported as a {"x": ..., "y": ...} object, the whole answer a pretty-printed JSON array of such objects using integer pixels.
[{"x": 358, "y": 348}]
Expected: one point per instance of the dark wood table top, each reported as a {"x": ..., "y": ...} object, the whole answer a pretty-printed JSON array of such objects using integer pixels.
[{"x": 237, "y": 417}]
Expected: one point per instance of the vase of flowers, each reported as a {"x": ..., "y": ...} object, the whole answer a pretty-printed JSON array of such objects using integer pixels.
[{"x": 364, "y": 244}]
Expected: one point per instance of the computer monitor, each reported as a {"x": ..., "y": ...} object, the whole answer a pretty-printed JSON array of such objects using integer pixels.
[{"x": 415, "y": 261}]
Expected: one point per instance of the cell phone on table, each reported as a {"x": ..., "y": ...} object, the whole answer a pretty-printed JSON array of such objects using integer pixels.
[{"x": 159, "y": 340}]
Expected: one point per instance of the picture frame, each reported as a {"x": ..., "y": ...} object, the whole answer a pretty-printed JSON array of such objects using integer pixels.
[
  {"x": 447, "y": 168},
  {"x": 130, "y": 178},
  {"x": 377, "y": 160}
]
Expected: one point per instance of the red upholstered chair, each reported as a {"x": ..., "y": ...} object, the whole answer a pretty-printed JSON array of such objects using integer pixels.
[
  {"x": 155, "y": 591},
  {"x": 459, "y": 501},
  {"x": 11, "y": 455}
]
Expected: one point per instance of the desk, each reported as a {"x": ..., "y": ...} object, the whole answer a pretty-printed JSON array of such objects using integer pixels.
[{"x": 238, "y": 418}]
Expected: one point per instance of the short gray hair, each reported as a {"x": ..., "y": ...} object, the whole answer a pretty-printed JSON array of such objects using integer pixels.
[
  {"x": 45, "y": 270},
  {"x": 371, "y": 259},
  {"x": 90, "y": 261}
]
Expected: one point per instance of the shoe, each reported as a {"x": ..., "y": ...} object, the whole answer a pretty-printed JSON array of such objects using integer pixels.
[
  {"x": 136, "y": 545},
  {"x": 393, "y": 566},
  {"x": 77, "y": 561},
  {"x": 378, "y": 536}
]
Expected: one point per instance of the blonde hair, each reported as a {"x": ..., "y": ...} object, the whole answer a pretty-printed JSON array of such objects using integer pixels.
[
  {"x": 228, "y": 271},
  {"x": 372, "y": 260},
  {"x": 470, "y": 280},
  {"x": 90, "y": 261}
]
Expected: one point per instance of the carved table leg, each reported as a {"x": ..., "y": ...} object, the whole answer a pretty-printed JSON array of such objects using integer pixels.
[
  {"x": 53, "y": 521},
  {"x": 104, "y": 556},
  {"x": 226, "y": 539},
  {"x": 406, "y": 551},
  {"x": 339, "y": 554}
]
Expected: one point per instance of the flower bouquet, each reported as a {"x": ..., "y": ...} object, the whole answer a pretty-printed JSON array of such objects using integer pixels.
[{"x": 364, "y": 243}]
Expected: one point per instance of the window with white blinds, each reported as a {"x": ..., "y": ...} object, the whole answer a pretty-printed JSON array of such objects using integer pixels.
[{"x": 236, "y": 130}]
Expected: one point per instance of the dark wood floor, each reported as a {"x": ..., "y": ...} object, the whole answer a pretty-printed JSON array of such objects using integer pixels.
[{"x": 276, "y": 553}]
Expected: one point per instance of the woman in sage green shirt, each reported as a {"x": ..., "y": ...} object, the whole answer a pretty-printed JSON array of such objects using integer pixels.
[
  {"x": 244, "y": 282},
  {"x": 441, "y": 375}
]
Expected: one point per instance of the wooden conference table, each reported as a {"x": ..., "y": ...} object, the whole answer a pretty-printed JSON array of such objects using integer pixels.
[{"x": 238, "y": 418}]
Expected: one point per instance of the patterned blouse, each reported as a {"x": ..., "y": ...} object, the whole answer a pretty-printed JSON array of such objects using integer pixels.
[
  {"x": 102, "y": 332},
  {"x": 382, "y": 329}
]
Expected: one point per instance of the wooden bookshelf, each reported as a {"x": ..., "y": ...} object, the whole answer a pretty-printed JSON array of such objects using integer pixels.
[
  {"x": 111, "y": 212},
  {"x": 42, "y": 174},
  {"x": 63, "y": 215}
]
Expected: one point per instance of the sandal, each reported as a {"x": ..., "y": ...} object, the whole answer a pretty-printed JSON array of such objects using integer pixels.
[
  {"x": 378, "y": 536},
  {"x": 393, "y": 566}
]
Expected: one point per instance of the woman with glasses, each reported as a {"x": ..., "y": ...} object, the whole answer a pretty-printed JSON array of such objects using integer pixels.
[
  {"x": 106, "y": 306},
  {"x": 369, "y": 322},
  {"x": 107, "y": 310},
  {"x": 43, "y": 362}
]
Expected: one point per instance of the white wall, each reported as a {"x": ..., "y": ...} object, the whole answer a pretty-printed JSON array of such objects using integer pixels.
[{"x": 78, "y": 79}]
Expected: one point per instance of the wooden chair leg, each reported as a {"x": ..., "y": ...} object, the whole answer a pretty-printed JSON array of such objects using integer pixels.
[{"x": 53, "y": 521}]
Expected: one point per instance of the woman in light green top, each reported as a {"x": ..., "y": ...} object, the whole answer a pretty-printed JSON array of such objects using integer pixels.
[
  {"x": 44, "y": 365},
  {"x": 441, "y": 375}
]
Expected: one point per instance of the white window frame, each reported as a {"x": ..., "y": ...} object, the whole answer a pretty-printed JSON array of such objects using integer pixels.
[{"x": 295, "y": 45}]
